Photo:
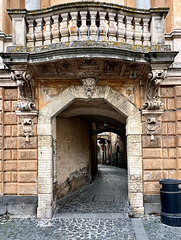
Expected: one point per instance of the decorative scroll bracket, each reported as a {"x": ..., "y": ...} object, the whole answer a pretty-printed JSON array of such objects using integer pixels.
[
  {"x": 151, "y": 107},
  {"x": 89, "y": 84},
  {"x": 155, "y": 77},
  {"x": 26, "y": 106},
  {"x": 25, "y": 85}
]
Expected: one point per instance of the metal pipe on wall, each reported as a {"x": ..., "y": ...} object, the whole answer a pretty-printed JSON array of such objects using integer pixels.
[
  {"x": 143, "y": 4},
  {"x": 32, "y": 4}
]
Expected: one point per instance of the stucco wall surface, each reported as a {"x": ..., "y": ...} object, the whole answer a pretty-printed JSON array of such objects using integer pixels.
[{"x": 73, "y": 152}]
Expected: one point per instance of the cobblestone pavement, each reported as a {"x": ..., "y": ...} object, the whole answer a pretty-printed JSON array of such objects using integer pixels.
[
  {"x": 107, "y": 194},
  {"x": 92, "y": 214},
  {"x": 159, "y": 231}
]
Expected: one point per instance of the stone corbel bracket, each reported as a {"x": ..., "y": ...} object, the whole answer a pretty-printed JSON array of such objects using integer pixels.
[
  {"x": 155, "y": 77},
  {"x": 25, "y": 85},
  {"x": 89, "y": 84},
  {"x": 151, "y": 107}
]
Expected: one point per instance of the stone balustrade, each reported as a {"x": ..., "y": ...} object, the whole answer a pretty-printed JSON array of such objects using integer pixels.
[{"x": 84, "y": 21}]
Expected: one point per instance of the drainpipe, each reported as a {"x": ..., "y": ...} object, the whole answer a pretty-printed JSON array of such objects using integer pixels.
[
  {"x": 32, "y": 4},
  {"x": 143, "y": 4}
]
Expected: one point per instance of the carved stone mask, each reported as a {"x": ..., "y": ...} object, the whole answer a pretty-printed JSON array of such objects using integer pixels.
[{"x": 89, "y": 86}]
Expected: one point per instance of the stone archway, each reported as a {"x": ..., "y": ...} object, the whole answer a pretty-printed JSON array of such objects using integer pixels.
[{"x": 45, "y": 151}]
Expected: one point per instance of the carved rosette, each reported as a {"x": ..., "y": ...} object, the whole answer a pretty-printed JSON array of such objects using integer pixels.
[
  {"x": 151, "y": 107},
  {"x": 25, "y": 85},
  {"x": 89, "y": 85}
]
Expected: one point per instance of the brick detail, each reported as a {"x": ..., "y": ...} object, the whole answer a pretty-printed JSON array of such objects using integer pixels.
[
  {"x": 152, "y": 153},
  {"x": 7, "y": 131},
  {"x": 168, "y": 117},
  {"x": 170, "y": 173},
  {"x": 27, "y": 177},
  {"x": 178, "y": 102},
  {"x": 10, "y": 118},
  {"x": 179, "y": 141},
  {"x": 10, "y": 165},
  {"x": 152, "y": 175},
  {"x": 10, "y": 188},
  {"x": 10, "y": 142},
  {"x": 179, "y": 152},
  {"x": 10, "y": 94},
  {"x": 150, "y": 164},
  {"x": 167, "y": 92},
  {"x": 179, "y": 128},
  {"x": 10, "y": 176},
  {"x": 178, "y": 91},
  {"x": 30, "y": 145},
  {"x": 27, "y": 154},
  {"x": 168, "y": 141},
  {"x": 28, "y": 188},
  {"x": 151, "y": 187},
  {"x": 178, "y": 115},
  {"x": 170, "y": 104},
  {"x": 7, "y": 106},
  {"x": 28, "y": 165},
  {"x": 168, "y": 128},
  {"x": 169, "y": 164},
  {"x": 147, "y": 143}
]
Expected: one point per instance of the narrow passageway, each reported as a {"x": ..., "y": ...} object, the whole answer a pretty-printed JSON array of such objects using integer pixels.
[{"x": 106, "y": 194}]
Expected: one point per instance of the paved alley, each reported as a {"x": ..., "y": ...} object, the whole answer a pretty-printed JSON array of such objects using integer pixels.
[
  {"x": 107, "y": 194},
  {"x": 96, "y": 212}
]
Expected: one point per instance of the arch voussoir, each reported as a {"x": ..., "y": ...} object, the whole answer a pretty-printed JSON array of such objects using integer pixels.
[{"x": 45, "y": 149}]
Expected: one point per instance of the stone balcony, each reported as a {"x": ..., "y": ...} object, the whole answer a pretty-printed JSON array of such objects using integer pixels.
[
  {"x": 92, "y": 21},
  {"x": 125, "y": 37}
]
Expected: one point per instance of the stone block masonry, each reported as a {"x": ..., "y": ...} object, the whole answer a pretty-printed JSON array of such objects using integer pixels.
[
  {"x": 161, "y": 158},
  {"x": 18, "y": 162}
]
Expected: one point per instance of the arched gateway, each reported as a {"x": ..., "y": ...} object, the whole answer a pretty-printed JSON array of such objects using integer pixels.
[
  {"x": 57, "y": 49},
  {"x": 45, "y": 148}
]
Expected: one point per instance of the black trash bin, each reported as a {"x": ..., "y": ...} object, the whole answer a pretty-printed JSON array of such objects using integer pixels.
[{"x": 170, "y": 202}]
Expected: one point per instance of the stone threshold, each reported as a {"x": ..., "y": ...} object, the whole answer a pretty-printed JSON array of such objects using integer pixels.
[{"x": 90, "y": 215}]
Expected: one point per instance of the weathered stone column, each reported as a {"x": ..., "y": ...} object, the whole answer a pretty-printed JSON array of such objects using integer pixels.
[
  {"x": 143, "y": 4},
  {"x": 32, "y": 4}
]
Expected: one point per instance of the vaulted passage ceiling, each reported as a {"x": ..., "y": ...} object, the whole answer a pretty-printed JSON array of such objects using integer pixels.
[{"x": 100, "y": 112}]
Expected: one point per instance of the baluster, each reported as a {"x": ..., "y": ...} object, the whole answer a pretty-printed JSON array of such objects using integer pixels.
[
  {"x": 64, "y": 28},
  {"x": 30, "y": 35},
  {"x": 129, "y": 32},
  {"x": 74, "y": 28},
  {"x": 146, "y": 33},
  {"x": 83, "y": 27},
  {"x": 137, "y": 31},
  {"x": 55, "y": 29},
  {"x": 112, "y": 27},
  {"x": 39, "y": 32},
  {"x": 47, "y": 33},
  {"x": 93, "y": 27},
  {"x": 121, "y": 29},
  {"x": 102, "y": 27}
]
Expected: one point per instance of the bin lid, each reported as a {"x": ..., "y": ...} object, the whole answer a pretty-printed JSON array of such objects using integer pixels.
[{"x": 170, "y": 181}]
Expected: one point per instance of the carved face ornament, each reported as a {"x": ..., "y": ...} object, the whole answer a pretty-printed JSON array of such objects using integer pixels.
[{"x": 89, "y": 86}]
